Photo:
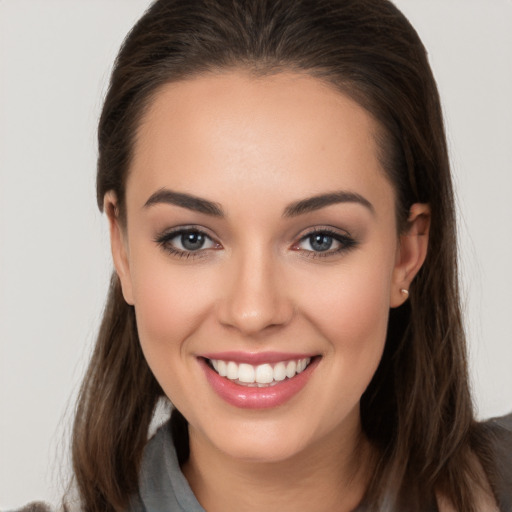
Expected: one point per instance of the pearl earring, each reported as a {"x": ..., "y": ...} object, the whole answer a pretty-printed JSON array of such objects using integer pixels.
[{"x": 405, "y": 292}]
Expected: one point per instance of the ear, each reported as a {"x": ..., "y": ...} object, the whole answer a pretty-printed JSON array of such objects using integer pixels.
[
  {"x": 118, "y": 245},
  {"x": 411, "y": 252}
]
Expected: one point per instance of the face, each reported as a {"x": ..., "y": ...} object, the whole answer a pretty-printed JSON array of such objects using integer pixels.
[{"x": 262, "y": 257}]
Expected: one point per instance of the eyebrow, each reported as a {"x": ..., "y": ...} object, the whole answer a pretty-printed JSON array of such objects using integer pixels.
[
  {"x": 310, "y": 204},
  {"x": 321, "y": 201},
  {"x": 188, "y": 201}
]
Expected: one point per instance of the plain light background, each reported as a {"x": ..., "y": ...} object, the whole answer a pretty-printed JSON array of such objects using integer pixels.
[{"x": 55, "y": 57}]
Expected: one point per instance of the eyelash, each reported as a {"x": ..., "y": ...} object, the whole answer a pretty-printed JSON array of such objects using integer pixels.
[
  {"x": 164, "y": 240},
  {"x": 346, "y": 243}
]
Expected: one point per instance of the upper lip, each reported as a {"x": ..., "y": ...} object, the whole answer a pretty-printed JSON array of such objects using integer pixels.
[{"x": 256, "y": 358}]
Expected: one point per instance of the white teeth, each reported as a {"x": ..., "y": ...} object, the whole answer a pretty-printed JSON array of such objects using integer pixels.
[
  {"x": 246, "y": 373},
  {"x": 280, "y": 371},
  {"x": 222, "y": 368},
  {"x": 232, "y": 371},
  {"x": 264, "y": 374},
  {"x": 261, "y": 375},
  {"x": 291, "y": 369}
]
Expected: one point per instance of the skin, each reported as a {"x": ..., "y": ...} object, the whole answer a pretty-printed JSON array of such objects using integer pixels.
[{"x": 253, "y": 146}]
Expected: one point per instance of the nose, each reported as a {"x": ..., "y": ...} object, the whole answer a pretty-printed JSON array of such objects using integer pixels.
[{"x": 255, "y": 298}]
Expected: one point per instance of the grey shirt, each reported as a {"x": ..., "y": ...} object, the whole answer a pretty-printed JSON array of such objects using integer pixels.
[
  {"x": 164, "y": 488},
  {"x": 162, "y": 485}
]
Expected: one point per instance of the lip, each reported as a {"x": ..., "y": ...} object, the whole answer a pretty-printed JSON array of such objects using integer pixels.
[{"x": 245, "y": 397}]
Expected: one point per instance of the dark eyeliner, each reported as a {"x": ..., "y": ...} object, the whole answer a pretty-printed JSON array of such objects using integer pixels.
[
  {"x": 346, "y": 242},
  {"x": 164, "y": 239}
]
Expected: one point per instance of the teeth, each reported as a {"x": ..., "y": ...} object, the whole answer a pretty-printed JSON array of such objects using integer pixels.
[
  {"x": 291, "y": 369},
  {"x": 279, "y": 371},
  {"x": 222, "y": 368},
  {"x": 261, "y": 375},
  {"x": 264, "y": 374},
  {"x": 232, "y": 371},
  {"x": 246, "y": 373}
]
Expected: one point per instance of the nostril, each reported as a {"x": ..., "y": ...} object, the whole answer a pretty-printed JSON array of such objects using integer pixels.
[{"x": 255, "y": 320}]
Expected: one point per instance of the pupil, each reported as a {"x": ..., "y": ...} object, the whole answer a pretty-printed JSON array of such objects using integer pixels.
[
  {"x": 321, "y": 242},
  {"x": 192, "y": 241}
]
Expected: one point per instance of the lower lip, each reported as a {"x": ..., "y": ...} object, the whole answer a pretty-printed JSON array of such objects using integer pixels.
[{"x": 246, "y": 397}]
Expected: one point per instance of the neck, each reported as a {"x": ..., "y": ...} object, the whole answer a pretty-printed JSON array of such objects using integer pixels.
[{"x": 331, "y": 475}]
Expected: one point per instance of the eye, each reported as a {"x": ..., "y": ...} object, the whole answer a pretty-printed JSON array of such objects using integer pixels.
[
  {"x": 186, "y": 241},
  {"x": 324, "y": 242},
  {"x": 192, "y": 241},
  {"x": 318, "y": 242}
]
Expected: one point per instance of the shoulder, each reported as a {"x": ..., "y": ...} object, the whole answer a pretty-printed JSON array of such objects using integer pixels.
[
  {"x": 36, "y": 506},
  {"x": 502, "y": 423},
  {"x": 499, "y": 434},
  {"x": 69, "y": 503},
  {"x": 499, "y": 431}
]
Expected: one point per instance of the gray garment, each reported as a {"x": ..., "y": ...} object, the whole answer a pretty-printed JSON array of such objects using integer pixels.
[
  {"x": 501, "y": 429},
  {"x": 163, "y": 487}
]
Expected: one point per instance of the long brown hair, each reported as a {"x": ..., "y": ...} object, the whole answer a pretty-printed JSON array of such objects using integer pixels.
[{"x": 417, "y": 410}]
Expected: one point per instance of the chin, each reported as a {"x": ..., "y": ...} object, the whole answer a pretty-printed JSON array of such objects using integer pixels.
[
  {"x": 266, "y": 440},
  {"x": 263, "y": 451}
]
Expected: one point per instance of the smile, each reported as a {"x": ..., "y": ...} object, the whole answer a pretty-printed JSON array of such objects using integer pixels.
[
  {"x": 261, "y": 375},
  {"x": 258, "y": 381}
]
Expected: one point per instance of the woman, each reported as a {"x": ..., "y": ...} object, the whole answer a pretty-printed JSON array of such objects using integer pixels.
[{"x": 276, "y": 181}]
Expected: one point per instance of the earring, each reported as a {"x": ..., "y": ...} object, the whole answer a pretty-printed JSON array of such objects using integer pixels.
[{"x": 405, "y": 292}]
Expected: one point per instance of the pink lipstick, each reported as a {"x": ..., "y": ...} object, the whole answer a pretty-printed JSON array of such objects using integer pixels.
[{"x": 257, "y": 380}]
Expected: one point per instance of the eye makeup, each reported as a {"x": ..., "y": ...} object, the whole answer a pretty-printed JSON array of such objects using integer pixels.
[
  {"x": 187, "y": 242},
  {"x": 324, "y": 242},
  {"x": 193, "y": 242}
]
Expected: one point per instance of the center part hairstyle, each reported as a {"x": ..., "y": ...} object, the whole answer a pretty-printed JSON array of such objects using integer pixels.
[{"x": 417, "y": 410}]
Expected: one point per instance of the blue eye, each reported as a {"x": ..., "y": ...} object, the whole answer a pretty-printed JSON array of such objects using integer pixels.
[
  {"x": 185, "y": 242},
  {"x": 191, "y": 241},
  {"x": 325, "y": 243},
  {"x": 320, "y": 242}
]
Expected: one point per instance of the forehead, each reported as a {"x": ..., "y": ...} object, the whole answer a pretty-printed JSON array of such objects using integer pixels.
[{"x": 236, "y": 133}]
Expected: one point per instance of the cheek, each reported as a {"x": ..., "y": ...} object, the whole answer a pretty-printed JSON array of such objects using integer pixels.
[
  {"x": 351, "y": 311},
  {"x": 353, "y": 304},
  {"x": 170, "y": 301}
]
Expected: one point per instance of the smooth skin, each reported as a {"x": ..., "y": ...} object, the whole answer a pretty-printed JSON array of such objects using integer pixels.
[{"x": 259, "y": 281}]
